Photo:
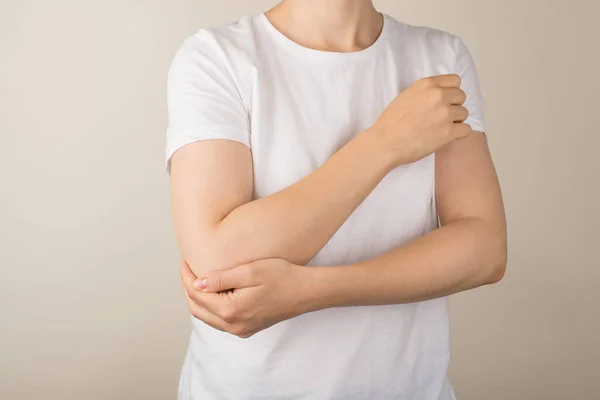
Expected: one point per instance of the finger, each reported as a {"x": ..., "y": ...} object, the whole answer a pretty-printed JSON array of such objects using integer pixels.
[
  {"x": 460, "y": 130},
  {"x": 205, "y": 315},
  {"x": 185, "y": 272},
  {"x": 447, "y": 81},
  {"x": 206, "y": 303},
  {"x": 459, "y": 113},
  {"x": 217, "y": 281},
  {"x": 217, "y": 303},
  {"x": 455, "y": 96},
  {"x": 210, "y": 301}
]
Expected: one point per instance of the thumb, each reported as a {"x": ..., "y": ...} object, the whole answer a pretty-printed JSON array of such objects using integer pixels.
[{"x": 218, "y": 281}]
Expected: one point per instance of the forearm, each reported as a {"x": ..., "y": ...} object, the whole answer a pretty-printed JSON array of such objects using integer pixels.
[
  {"x": 295, "y": 223},
  {"x": 459, "y": 256}
]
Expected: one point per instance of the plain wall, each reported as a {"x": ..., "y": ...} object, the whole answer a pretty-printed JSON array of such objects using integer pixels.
[{"x": 90, "y": 300}]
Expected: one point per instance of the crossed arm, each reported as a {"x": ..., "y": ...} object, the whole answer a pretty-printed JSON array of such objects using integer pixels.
[{"x": 257, "y": 248}]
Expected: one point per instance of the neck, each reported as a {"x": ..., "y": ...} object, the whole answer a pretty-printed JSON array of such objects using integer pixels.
[{"x": 329, "y": 25}]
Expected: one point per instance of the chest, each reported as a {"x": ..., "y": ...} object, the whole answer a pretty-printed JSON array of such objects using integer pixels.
[{"x": 302, "y": 113}]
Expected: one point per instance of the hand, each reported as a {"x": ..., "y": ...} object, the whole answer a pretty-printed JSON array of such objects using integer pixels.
[
  {"x": 249, "y": 298},
  {"x": 424, "y": 118}
]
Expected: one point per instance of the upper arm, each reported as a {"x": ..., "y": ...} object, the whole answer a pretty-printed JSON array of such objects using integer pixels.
[
  {"x": 208, "y": 145},
  {"x": 209, "y": 179},
  {"x": 467, "y": 189},
  {"x": 466, "y": 180}
]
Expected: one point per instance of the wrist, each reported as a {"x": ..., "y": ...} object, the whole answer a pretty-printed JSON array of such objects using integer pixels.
[
  {"x": 315, "y": 294},
  {"x": 332, "y": 286},
  {"x": 375, "y": 149},
  {"x": 388, "y": 145}
]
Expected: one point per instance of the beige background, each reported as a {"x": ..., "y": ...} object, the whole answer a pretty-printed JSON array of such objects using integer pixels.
[{"x": 90, "y": 302}]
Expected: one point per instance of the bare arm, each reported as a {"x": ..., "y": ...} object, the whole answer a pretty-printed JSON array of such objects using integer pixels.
[
  {"x": 219, "y": 227},
  {"x": 469, "y": 250}
]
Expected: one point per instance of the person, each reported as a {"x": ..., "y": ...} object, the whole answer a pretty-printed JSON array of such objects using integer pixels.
[{"x": 331, "y": 185}]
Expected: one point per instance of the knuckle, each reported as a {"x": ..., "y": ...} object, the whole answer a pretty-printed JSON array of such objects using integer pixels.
[
  {"x": 467, "y": 113},
  {"x": 239, "y": 330},
  {"x": 437, "y": 94},
  {"x": 229, "y": 314},
  {"x": 457, "y": 79},
  {"x": 192, "y": 300},
  {"x": 426, "y": 82},
  {"x": 195, "y": 313},
  {"x": 468, "y": 129},
  {"x": 445, "y": 113},
  {"x": 462, "y": 130}
]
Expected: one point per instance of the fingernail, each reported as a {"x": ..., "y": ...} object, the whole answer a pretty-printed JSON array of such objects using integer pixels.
[{"x": 200, "y": 284}]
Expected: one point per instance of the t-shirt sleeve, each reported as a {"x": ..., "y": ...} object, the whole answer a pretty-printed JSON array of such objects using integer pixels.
[
  {"x": 465, "y": 68},
  {"x": 203, "y": 101}
]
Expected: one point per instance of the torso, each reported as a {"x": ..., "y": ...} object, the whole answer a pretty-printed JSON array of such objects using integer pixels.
[{"x": 303, "y": 106}]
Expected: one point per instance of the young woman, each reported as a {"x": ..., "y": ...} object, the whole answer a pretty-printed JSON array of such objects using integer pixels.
[{"x": 331, "y": 185}]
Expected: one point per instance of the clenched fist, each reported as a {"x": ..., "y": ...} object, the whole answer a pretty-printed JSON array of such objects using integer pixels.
[{"x": 423, "y": 118}]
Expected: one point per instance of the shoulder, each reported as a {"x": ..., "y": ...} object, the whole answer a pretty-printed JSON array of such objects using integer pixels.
[
  {"x": 224, "y": 55},
  {"x": 426, "y": 40},
  {"x": 436, "y": 52},
  {"x": 219, "y": 44}
]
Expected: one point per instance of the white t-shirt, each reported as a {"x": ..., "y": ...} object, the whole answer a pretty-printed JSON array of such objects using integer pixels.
[{"x": 295, "y": 107}]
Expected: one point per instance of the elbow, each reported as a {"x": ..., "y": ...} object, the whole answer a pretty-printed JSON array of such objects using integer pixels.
[
  {"x": 496, "y": 266},
  {"x": 215, "y": 251},
  {"x": 207, "y": 253},
  {"x": 495, "y": 246},
  {"x": 497, "y": 273},
  {"x": 201, "y": 264}
]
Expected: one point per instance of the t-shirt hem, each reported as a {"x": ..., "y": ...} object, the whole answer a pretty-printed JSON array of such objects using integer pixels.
[{"x": 177, "y": 141}]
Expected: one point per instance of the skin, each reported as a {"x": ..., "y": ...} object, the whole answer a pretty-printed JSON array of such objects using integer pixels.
[{"x": 251, "y": 263}]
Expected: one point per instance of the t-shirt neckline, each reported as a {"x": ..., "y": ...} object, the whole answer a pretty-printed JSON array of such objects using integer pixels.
[{"x": 299, "y": 49}]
